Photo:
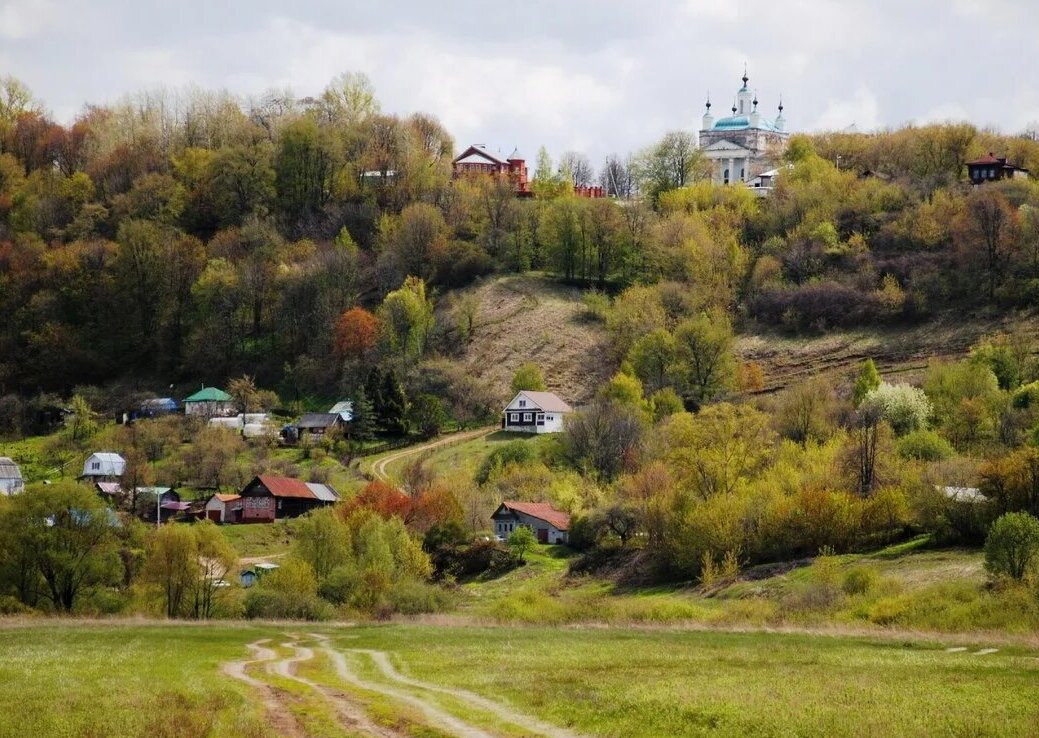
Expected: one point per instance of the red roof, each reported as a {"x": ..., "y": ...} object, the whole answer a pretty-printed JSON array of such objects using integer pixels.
[
  {"x": 226, "y": 498},
  {"x": 988, "y": 159},
  {"x": 286, "y": 487},
  {"x": 541, "y": 511}
]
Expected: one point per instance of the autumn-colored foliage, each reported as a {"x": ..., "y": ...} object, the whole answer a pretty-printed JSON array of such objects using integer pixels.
[
  {"x": 355, "y": 333},
  {"x": 381, "y": 498}
]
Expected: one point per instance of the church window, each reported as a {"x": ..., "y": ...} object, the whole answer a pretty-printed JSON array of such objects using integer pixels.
[{"x": 725, "y": 176}]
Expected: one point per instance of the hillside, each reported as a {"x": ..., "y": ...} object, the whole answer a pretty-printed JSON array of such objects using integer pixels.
[
  {"x": 787, "y": 360},
  {"x": 529, "y": 318}
]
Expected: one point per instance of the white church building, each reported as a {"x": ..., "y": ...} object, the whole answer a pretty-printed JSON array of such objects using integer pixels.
[{"x": 745, "y": 144}]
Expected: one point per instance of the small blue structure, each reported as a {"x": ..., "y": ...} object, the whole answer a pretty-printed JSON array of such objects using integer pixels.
[{"x": 248, "y": 578}]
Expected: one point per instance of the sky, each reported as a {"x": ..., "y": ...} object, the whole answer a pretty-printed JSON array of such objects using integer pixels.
[{"x": 597, "y": 77}]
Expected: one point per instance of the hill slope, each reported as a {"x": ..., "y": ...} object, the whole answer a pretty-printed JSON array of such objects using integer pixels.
[{"x": 528, "y": 318}]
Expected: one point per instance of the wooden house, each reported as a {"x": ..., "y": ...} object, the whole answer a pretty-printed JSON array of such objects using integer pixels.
[
  {"x": 267, "y": 498},
  {"x": 319, "y": 424},
  {"x": 535, "y": 412},
  {"x": 549, "y": 525},
  {"x": 991, "y": 168}
]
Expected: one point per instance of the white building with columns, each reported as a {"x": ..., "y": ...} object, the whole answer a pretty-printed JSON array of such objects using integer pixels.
[{"x": 745, "y": 144}]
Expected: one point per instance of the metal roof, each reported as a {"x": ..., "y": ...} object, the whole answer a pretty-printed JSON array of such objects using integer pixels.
[
  {"x": 210, "y": 394},
  {"x": 323, "y": 492},
  {"x": 318, "y": 420},
  {"x": 547, "y": 401},
  {"x": 9, "y": 469}
]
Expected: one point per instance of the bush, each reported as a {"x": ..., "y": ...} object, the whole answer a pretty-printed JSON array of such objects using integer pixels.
[
  {"x": 416, "y": 598},
  {"x": 904, "y": 407},
  {"x": 924, "y": 445},
  {"x": 12, "y": 606},
  {"x": 1012, "y": 545},
  {"x": 513, "y": 452},
  {"x": 274, "y": 605},
  {"x": 859, "y": 580}
]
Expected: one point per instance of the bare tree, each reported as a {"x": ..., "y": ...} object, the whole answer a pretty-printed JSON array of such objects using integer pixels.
[{"x": 577, "y": 168}]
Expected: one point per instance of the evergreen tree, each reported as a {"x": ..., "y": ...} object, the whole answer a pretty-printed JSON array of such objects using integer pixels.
[
  {"x": 362, "y": 427},
  {"x": 394, "y": 416},
  {"x": 373, "y": 392}
]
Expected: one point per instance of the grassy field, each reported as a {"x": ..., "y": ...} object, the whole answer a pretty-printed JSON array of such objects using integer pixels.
[{"x": 75, "y": 679}]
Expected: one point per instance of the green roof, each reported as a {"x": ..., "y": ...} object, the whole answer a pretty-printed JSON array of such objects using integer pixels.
[{"x": 210, "y": 394}]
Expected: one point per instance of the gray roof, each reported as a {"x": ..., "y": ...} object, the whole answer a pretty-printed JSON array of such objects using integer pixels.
[
  {"x": 323, "y": 492},
  {"x": 9, "y": 469},
  {"x": 547, "y": 401},
  {"x": 318, "y": 420}
]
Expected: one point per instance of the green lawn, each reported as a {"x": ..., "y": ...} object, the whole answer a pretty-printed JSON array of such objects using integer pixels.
[
  {"x": 114, "y": 679},
  {"x": 93, "y": 679}
]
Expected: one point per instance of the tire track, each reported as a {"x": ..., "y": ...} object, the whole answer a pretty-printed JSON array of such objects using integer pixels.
[
  {"x": 281, "y": 718},
  {"x": 350, "y": 715},
  {"x": 379, "y": 467}
]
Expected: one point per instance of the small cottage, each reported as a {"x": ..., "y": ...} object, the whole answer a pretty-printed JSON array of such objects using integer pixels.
[
  {"x": 991, "y": 168},
  {"x": 210, "y": 402},
  {"x": 224, "y": 508},
  {"x": 268, "y": 498},
  {"x": 549, "y": 525},
  {"x": 535, "y": 412},
  {"x": 104, "y": 466},
  {"x": 319, "y": 423}
]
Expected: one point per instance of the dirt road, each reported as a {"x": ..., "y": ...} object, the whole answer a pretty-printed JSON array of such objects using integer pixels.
[{"x": 379, "y": 467}]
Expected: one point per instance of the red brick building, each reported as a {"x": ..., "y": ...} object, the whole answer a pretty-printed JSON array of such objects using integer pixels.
[{"x": 478, "y": 160}]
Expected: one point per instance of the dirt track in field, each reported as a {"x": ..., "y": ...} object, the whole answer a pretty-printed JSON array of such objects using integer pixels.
[{"x": 379, "y": 470}]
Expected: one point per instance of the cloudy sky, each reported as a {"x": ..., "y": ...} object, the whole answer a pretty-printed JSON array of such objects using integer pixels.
[{"x": 597, "y": 76}]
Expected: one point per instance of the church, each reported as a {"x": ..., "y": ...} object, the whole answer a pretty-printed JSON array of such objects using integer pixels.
[{"x": 745, "y": 144}]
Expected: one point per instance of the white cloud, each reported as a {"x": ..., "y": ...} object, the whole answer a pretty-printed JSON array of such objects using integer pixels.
[
  {"x": 22, "y": 19},
  {"x": 861, "y": 110}
]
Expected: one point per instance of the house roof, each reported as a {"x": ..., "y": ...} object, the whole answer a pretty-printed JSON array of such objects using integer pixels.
[
  {"x": 318, "y": 420},
  {"x": 287, "y": 487},
  {"x": 547, "y": 401},
  {"x": 110, "y": 464},
  {"x": 475, "y": 153},
  {"x": 209, "y": 394},
  {"x": 160, "y": 403},
  {"x": 541, "y": 511},
  {"x": 323, "y": 492},
  {"x": 110, "y": 488},
  {"x": 9, "y": 469},
  {"x": 226, "y": 498},
  {"x": 988, "y": 158}
]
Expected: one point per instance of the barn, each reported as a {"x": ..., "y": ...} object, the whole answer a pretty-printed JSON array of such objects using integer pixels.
[
  {"x": 267, "y": 498},
  {"x": 549, "y": 525}
]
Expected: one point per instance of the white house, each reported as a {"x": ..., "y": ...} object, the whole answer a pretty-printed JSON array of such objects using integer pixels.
[
  {"x": 11, "y": 482},
  {"x": 535, "y": 412},
  {"x": 104, "y": 465},
  {"x": 549, "y": 525}
]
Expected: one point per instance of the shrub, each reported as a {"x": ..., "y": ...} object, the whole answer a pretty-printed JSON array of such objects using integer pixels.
[
  {"x": 513, "y": 452},
  {"x": 416, "y": 598},
  {"x": 270, "y": 604},
  {"x": 12, "y": 606},
  {"x": 924, "y": 445},
  {"x": 859, "y": 580},
  {"x": 1012, "y": 545},
  {"x": 904, "y": 407}
]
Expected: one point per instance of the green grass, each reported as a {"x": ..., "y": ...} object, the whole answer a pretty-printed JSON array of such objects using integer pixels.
[
  {"x": 622, "y": 682},
  {"x": 260, "y": 539},
  {"x": 78, "y": 679},
  {"x": 104, "y": 679}
]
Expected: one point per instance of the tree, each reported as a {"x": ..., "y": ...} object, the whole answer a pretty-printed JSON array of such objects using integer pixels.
[
  {"x": 362, "y": 425},
  {"x": 904, "y": 407},
  {"x": 303, "y": 169},
  {"x": 350, "y": 98},
  {"x": 323, "y": 540},
  {"x": 672, "y": 162},
  {"x": 653, "y": 359},
  {"x": 68, "y": 532},
  {"x": 605, "y": 436},
  {"x": 216, "y": 558},
  {"x": 521, "y": 541},
  {"x": 703, "y": 345},
  {"x": 356, "y": 333},
  {"x": 528, "y": 377},
  {"x": 406, "y": 316},
  {"x": 1012, "y": 545},
  {"x": 171, "y": 564},
  {"x": 806, "y": 411},
  {"x": 394, "y": 418},
  {"x": 427, "y": 414},
  {"x": 991, "y": 223},
  {"x": 867, "y": 381},
  {"x": 577, "y": 168}
]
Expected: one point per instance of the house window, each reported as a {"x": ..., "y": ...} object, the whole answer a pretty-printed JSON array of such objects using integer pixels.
[
  {"x": 550, "y": 417},
  {"x": 522, "y": 403},
  {"x": 725, "y": 176},
  {"x": 742, "y": 171},
  {"x": 514, "y": 417},
  {"x": 526, "y": 417}
]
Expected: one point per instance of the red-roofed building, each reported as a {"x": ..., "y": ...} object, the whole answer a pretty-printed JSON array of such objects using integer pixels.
[
  {"x": 991, "y": 168},
  {"x": 477, "y": 159},
  {"x": 267, "y": 498},
  {"x": 224, "y": 508},
  {"x": 549, "y": 525}
]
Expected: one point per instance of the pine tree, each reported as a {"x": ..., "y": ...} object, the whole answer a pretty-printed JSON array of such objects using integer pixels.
[
  {"x": 395, "y": 405},
  {"x": 362, "y": 426},
  {"x": 373, "y": 391}
]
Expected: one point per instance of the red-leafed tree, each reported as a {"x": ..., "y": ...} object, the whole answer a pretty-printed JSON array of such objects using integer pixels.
[
  {"x": 381, "y": 498},
  {"x": 356, "y": 332}
]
